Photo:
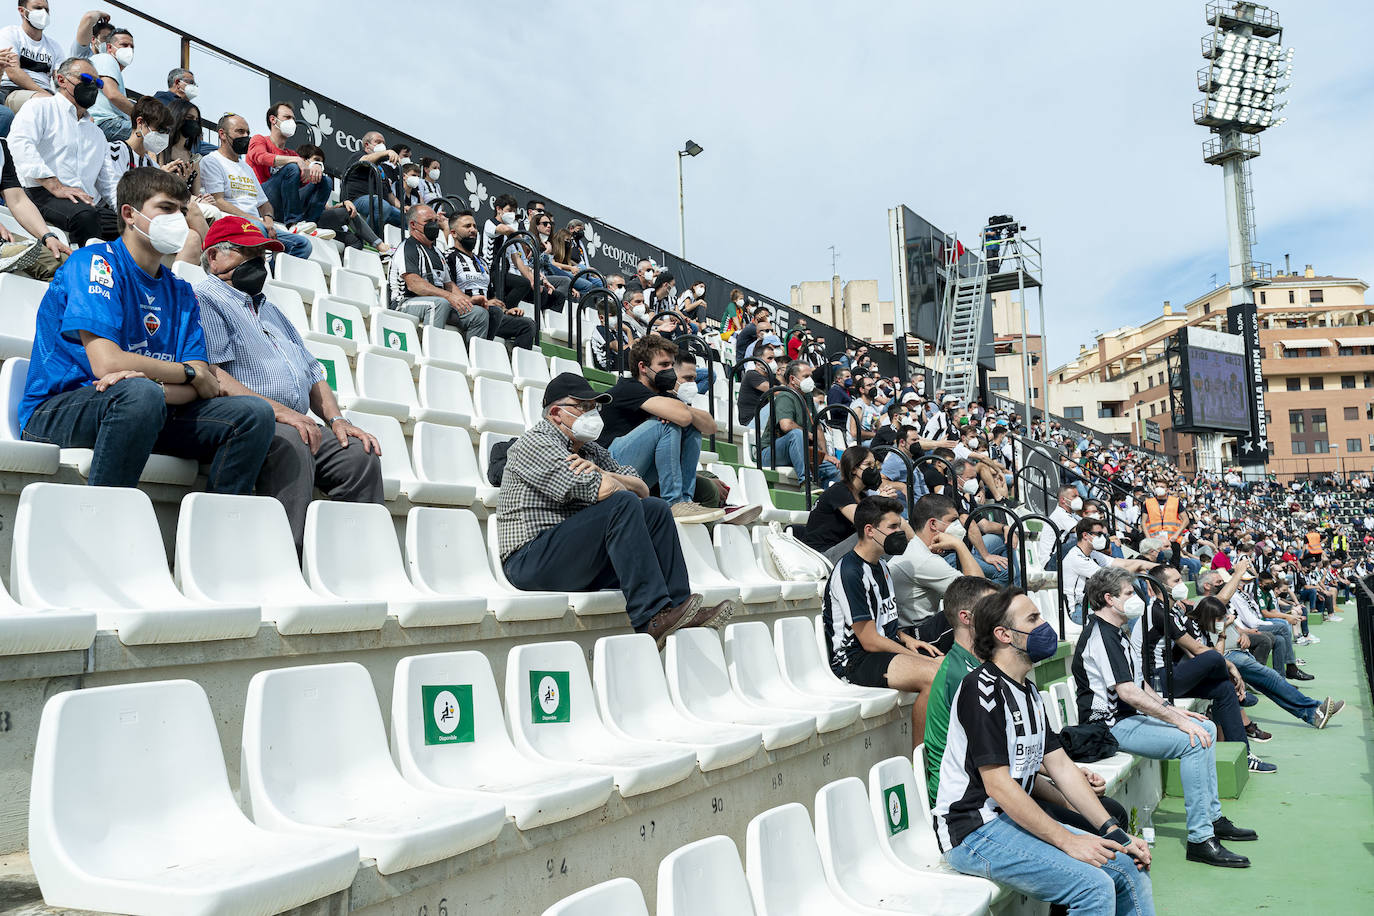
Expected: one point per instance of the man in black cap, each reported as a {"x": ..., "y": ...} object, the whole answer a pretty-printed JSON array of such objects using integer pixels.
[{"x": 571, "y": 518}]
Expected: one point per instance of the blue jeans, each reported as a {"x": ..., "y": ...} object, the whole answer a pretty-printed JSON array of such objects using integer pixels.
[
  {"x": 1205, "y": 676},
  {"x": 703, "y": 381},
  {"x": 293, "y": 201},
  {"x": 1192, "y": 564},
  {"x": 663, "y": 453},
  {"x": 1158, "y": 740},
  {"x": 1272, "y": 684},
  {"x": 114, "y": 129},
  {"x": 389, "y": 213},
  {"x": 130, "y": 420},
  {"x": 298, "y": 246},
  {"x": 1282, "y": 631},
  {"x": 995, "y": 545},
  {"x": 1002, "y": 850},
  {"x": 792, "y": 449},
  {"x": 7, "y": 118}
]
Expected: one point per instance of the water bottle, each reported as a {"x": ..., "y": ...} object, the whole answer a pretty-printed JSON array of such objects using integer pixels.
[{"x": 1147, "y": 826}]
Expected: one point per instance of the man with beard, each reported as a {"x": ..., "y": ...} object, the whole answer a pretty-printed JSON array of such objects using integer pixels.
[{"x": 472, "y": 276}]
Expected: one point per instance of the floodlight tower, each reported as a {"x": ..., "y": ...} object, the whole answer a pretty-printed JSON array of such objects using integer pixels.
[{"x": 1247, "y": 72}]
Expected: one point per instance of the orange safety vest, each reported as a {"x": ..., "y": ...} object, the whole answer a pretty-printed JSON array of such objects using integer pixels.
[
  {"x": 1164, "y": 522},
  {"x": 1314, "y": 543}
]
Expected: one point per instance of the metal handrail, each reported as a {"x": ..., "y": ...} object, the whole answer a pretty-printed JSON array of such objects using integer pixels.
[
  {"x": 1147, "y": 661},
  {"x": 769, "y": 397},
  {"x": 736, "y": 375},
  {"x": 590, "y": 300},
  {"x": 571, "y": 292},
  {"x": 882, "y": 450},
  {"x": 499, "y": 269},
  {"x": 823, "y": 415},
  {"x": 987, "y": 509},
  {"x": 1059, "y": 567},
  {"x": 698, "y": 345},
  {"x": 1044, "y": 486},
  {"x": 950, "y": 477}
]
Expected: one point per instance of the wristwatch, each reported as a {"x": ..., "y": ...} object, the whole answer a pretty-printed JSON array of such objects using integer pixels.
[
  {"x": 43, "y": 239},
  {"x": 334, "y": 420},
  {"x": 190, "y": 372}
]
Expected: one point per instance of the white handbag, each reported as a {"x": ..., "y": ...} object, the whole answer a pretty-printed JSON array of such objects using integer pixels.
[{"x": 793, "y": 559}]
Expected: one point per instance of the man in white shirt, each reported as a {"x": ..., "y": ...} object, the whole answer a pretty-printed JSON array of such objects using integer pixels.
[
  {"x": 30, "y": 56},
  {"x": 227, "y": 177},
  {"x": 1065, "y": 517},
  {"x": 920, "y": 576},
  {"x": 111, "y": 111},
  {"x": 58, "y": 152},
  {"x": 1088, "y": 555}
]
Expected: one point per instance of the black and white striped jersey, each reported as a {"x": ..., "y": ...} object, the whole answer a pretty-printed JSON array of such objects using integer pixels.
[
  {"x": 993, "y": 721},
  {"x": 1180, "y": 624},
  {"x": 1104, "y": 657},
  {"x": 857, "y": 590}
]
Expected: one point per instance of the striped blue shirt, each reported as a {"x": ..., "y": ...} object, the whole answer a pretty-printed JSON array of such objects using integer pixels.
[{"x": 251, "y": 339}]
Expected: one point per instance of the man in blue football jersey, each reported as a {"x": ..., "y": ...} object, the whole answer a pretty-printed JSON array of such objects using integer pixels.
[{"x": 119, "y": 363}]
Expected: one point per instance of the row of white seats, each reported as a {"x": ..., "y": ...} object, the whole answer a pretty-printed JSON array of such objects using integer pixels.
[
  {"x": 316, "y": 765},
  {"x": 870, "y": 852}
]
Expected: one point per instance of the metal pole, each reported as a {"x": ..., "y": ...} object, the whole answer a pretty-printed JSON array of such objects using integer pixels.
[
  {"x": 681, "y": 213},
  {"x": 1044, "y": 346},
  {"x": 1026, "y": 381}
]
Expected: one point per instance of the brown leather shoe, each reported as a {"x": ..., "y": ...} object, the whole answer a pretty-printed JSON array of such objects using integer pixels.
[
  {"x": 666, "y": 621},
  {"x": 716, "y": 617}
]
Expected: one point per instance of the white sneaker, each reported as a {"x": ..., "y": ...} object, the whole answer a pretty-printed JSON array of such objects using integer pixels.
[
  {"x": 1038, "y": 579},
  {"x": 1335, "y": 618},
  {"x": 302, "y": 228},
  {"x": 1314, "y": 639},
  {"x": 691, "y": 513},
  {"x": 1303, "y": 641},
  {"x": 325, "y": 234}
]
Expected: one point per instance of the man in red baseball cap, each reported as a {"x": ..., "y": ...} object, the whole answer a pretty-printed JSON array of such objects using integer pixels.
[{"x": 256, "y": 351}]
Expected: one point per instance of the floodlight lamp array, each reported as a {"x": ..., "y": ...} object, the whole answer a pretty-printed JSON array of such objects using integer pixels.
[{"x": 1242, "y": 81}]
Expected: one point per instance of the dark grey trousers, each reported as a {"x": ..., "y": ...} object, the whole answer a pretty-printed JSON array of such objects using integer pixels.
[{"x": 291, "y": 474}]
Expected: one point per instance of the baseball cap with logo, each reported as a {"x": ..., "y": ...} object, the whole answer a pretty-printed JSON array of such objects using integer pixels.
[{"x": 239, "y": 232}]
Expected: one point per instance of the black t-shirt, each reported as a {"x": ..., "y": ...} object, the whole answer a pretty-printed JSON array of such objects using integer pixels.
[
  {"x": 747, "y": 335},
  {"x": 826, "y": 526},
  {"x": 750, "y": 397},
  {"x": 8, "y": 177},
  {"x": 626, "y": 410},
  {"x": 1180, "y": 624},
  {"x": 357, "y": 175}
]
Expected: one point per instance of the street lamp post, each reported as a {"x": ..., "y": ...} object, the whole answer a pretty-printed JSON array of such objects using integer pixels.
[{"x": 690, "y": 148}]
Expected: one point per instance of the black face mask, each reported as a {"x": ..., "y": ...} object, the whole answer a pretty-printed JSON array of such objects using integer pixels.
[
  {"x": 240, "y": 145},
  {"x": 894, "y": 545},
  {"x": 249, "y": 276},
  {"x": 872, "y": 478},
  {"x": 190, "y": 130},
  {"x": 665, "y": 380},
  {"x": 431, "y": 230},
  {"x": 465, "y": 243},
  {"x": 85, "y": 94}
]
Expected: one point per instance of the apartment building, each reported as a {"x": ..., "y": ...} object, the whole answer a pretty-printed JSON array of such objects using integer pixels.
[{"x": 853, "y": 307}]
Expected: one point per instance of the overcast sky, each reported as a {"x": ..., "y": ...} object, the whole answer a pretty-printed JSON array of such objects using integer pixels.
[{"x": 1076, "y": 117}]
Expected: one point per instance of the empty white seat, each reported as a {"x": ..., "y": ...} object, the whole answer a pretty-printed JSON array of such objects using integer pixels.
[
  {"x": 634, "y": 703},
  {"x": 488, "y": 359},
  {"x": 694, "y": 667},
  {"x": 900, "y": 810},
  {"x": 396, "y": 465},
  {"x": 443, "y": 454},
  {"x": 700, "y": 558},
  {"x": 130, "y": 812},
  {"x": 532, "y": 404},
  {"x": 552, "y": 717},
  {"x": 754, "y": 489},
  {"x": 15, "y": 454},
  {"x": 704, "y": 878},
  {"x": 340, "y": 378},
  {"x": 616, "y": 897},
  {"x": 220, "y": 536},
  {"x": 584, "y": 604},
  {"x": 323, "y": 253},
  {"x": 448, "y": 735},
  {"x": 315, "y": 761},
  {"x": 783, "y": 865},
  {"x": 446, "y": 555},
  {"x": 367, "y": 263},
  {"x": 811, "y": 589},
  {"x": 737, "y": 561},
  {"x": 560, "y": 364},
  {"x": 191, "y": 273},
  {"x": 394, "y": 334},
  {"x": 125, "y": 581},
  {"x": 386, "y": 380},
  {"x": 446, "y": 390},
  {"x": 351, "y": 551},
  {"x": 498, "y": 407},
  {"x": 443, "y": 348},
  {"x": 392, "y": 235},
  {"x": 26, "y": 630},
  {"x": 805, "y": 670},
  {"x": 753, "y": 668},
  {"x": 846, "y": 836},
  {"x": 304, "y": 276},
  {"x": 338, "y": 322},
  {"x": 553, "y": 325},
  {"x": 288, "y": 301},
  {"x": 19, "y": 317},
  {"x": 529, "y": 368}
]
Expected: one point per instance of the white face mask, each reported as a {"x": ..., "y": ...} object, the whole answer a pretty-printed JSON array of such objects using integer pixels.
[
  {"x": 807, "y": 385},
  {"x": 167, "y": 232},
  {"x": 155, "y": 142},
  {"x": 973, "y": 444},
  {"x": 1160, "y": 492},
  {"x": 287, "y": 126},
  {"x": 641, "y": 311},
  {"x": 191, "y": 90},
  {"x": 1133, "y": 607},
  {"x": 687, "y": 391},
  {"x": 649, "y": 276},
  {"x": 508, "y": 219},
  {"x": 125, "y": 56},
  {"x": 588, "y": 426},
  {"x": 412, "y": 181},
  {"x": 699, "y": 291},
  {"x": 1179, "y": 592},
  {"x": 957, "y": 530},
  {"x": 38, "y": 19},
  {"x": 773, "y": 365},
  {"x": 405, "y": 160},
  {"x": 970, "y": 486},
  {"x": 433, "y": 174},
  {"x": 1076, "y": 505},
  {"x": 618, "y": 292},
  {"x": 1099, "y": 542}
]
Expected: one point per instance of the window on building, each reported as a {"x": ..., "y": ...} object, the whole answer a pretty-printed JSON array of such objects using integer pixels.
[
  {"x": 1369, "y": 379},
  {"x": 1137, "y": 387},
  {"x": 1105, "y": 413},
  {"x": 815, "y": 309},
  {"x": 1299, "y": 447},
  {"x": 1353, "y": 445},
  {"x": 1294, "y": 383},
  {"x": 999, "y": 383},
  {"x": 1035, "y": 394},
  {"x": 1315, "y": 295},
  {"x": 1291, "y": 297},
  {"x": 1206, "y": 308},
  {"x": 1319, "y": 421},
  {"x": 863, "y": 307},
  {"x": 1345, "y": 351},
  {"x": 1319, "y": 447},
  {"x": 887, "y": 329},
  {"x": 1261, "y": 297},
  {"x": 1347, "y": 381},
  {"x": 1296, "y": 424},
  {"x": 1073, "y": 413},
  {"x": 1352, "y": 413},
  {"x": 1152, "y": 410},
  {"x": 1271, "y": 448},
  {"x": 1315, "y": 383},
  {"x": 1264, "y": 383}
]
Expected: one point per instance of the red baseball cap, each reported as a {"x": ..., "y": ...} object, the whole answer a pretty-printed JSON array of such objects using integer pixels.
[{"x": 240, "y": 232}]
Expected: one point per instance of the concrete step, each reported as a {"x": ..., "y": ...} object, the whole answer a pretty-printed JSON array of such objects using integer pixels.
[{"x": 1233, "y": 771}]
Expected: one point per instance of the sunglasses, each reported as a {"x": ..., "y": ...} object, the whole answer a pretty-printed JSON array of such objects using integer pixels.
[{"x": 87, "y": 78}]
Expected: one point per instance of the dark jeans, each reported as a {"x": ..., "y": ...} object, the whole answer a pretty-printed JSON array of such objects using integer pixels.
[
  {"x": 130, "y": 420},
  {"x": 1206, "y": 677},
  {"x": 293, "y": 201},
  {"x": 518, "y": 329},
  {"x": 80, "y": 221},
  {"x": 620, "y": 542},
  {"x": 518, "y": 290},
  {"x": 291, "y": 474},
  {"x": 352, "y": 231}
]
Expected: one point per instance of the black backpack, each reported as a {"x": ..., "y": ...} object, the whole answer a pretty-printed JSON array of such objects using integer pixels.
[{"x": 496, "y": 461}]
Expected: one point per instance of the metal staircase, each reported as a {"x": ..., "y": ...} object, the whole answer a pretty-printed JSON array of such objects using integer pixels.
[{"x": 961, "y": 324}]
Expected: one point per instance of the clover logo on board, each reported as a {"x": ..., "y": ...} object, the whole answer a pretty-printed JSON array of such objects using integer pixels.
[
  {"x": 395, "y": 340},
  {"x": 894, "y": 799},
  {"x": 338, "y": 326},
  {"x": 318, "y": 122},
  {"x": 591, "y": 241},
  {"x": 477, "y": 192},
  {"x": 549, "y": 700},
  {"x": 448, "y": 713}
]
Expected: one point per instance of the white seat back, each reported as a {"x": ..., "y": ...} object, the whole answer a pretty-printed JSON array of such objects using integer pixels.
[
  {"x": 701, "y": 557},
  {"x": 1051, "y": 711},
  {"x": 382, "y": 378},
  {"x": 784, "y": 864},
  {"x": 560, "y": 364},
  {"x": 1065, "y": 702},
  {"x": 532, "y": 403},
  {"x": 444, "y": 347},
  {"x": 219, "y": 536},
  {"x": 351, "y": 550},
  {"x": 14, "y": 374},
  {"x": 489, "y": 358},
  {"x": 446, "y": 553},
  {"x": 445, "y": 389},
  {"x": 444, "y": 454},
  {"x": 338, "y": 318},
  {"x": 616, "y": 897},
  {"x": 394, "y": 331},
  {"x": 324, "y": 253},
  {"x": 305, "y": 275},
  {"x": 484, "y": 447},
  {"x": 191, "y": 273},
  {"x": 529, "y": 368},
  {"x": 19, "y": 317},
  {"x": 367, "y": 263},
  {"x": 289, "y": 302},
  {"x": 704, "y": 878},
  {"x": 496, "y": 400},
  {"x": 900, "y": 810},
  {"x": 335, "y": 364}
]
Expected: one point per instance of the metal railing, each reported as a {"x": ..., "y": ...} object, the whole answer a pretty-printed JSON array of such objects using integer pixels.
[
  {"x": 617, "y": 334},
  {"x": 807, "y": 443},
  {"x": 1058, "y": 567},
  {"x": 697, "y": 345},
  {"x": 736, "y": 376},
  {"x": 1149, "y": 638},
  {"x": 571, "y": 292},
  {"x": 500, "y": 271}
]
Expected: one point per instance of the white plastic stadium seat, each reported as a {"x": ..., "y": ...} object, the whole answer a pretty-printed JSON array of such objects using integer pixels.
[
  {"x": 532, "y": 405},
  {"x": 124, "y": 579},
  {"x": 700, "y": 560},
  {"x": 15, "y": 454},
  {"x": 784, "y": 867},
  {"x": 355, "y": 287},
  {"x": 337, "y": 322},
  {"x": 1112, "y": 769},
  {"x": 529, "y": 368},
  {"x": 446, "y": 555},
  {"x": 153, "y": 827},
  {"x": 25, "y": 630},
  {"x": 445, "y": 454},
  {"x": 351, "y": 551},
  {"x": 759, "y": 535},
  {"x": 560, "y": 364},
  {"x": 168, "y": 469},
  {"x": 498, "y": 407},
  {"x": 584, "y": 604},
  {"x": 446, "y": 390},
  {"x": 443, "y": 349},
  {"x": 634, "y": 703},
  {"x": 552, "y": 716},
  {"x": 18, "y": 319},
  {"x": 323, "y": 253},
  {"x": 754, "y": 487},
  {"x": 385, "y": 379},
  {"x": 340, "y": 378},
  {"x": 488, "y": 359},
  {"x": 704, "y": 878},
  {"x": 394, "y": 334},
  {"x": 315, "y": 761},
  {"x": 616, "y": 897},
  {"x": 753, "y": 668},
  {"x": 485, "y": 443},
  {"x": 737, "y": 559},
  {"x": 396, "y": 464},
  {"x": 392, "y": 235},
  {"x": 364, "y": 262},
  {"x": 804, "y": 669},
  {"x": 304, "y": 276},
  {"x": 553, "y": 325},
  {"x": 846, "y": 836},
  {"x": 694, "y": 667},
  {"x": 191, "y": 273},
  {"x": 448, "y": 734},
  {"x": 219, "y": 536},
  {"x": 288, "y": 301}
]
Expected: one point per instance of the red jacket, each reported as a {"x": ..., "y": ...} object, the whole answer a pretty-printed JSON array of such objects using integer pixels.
[{"x": 261, "y": 152}]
